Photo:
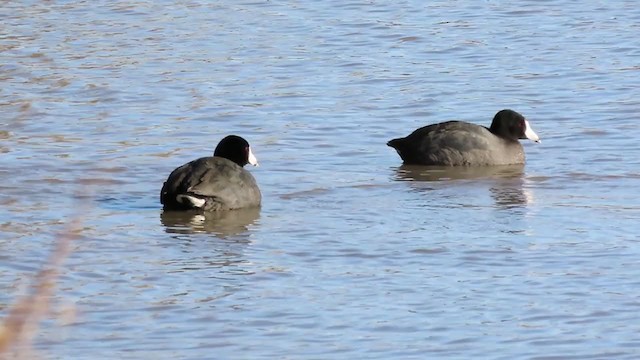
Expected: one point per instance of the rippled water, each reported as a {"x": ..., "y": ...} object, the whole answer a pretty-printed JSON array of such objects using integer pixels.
[{"x": 352, "y": 254}]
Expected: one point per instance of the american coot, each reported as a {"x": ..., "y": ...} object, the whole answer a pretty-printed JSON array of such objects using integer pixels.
[
  {"x": 459, "y": 143},
  {"x": 214, "y": 183}
]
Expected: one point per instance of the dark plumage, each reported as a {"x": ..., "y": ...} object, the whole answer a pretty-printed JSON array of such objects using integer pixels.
[
  {"x": 459, "y": 143},
  {"x": 214, "y": 183}
]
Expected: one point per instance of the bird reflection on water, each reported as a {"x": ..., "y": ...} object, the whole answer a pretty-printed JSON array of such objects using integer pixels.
[
  {"x": 221, "y": 223},
  {"x": 506, "y": 182}
]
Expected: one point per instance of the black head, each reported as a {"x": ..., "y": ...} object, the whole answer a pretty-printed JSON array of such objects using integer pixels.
[
  {"x": 512, "y": 125},
  {"x": 236, "y": 149}
]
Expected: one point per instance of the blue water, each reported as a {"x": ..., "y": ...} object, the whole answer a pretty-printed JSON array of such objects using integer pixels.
[{"x": 351, "y": 255}]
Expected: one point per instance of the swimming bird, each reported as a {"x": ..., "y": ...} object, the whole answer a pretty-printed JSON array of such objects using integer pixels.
[
  {"x": 459, "y": 143},
  {"x": 214, "y": 183}
]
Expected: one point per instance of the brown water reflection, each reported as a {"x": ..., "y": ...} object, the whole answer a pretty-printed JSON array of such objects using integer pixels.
[
  {"x": 506, "y": 183},
  {"x": 510, "y": 195},
  {"x": 444, "y": 173},
  {"x": 222, "y": 223}
]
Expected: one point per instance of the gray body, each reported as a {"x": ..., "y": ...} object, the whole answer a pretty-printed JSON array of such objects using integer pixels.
[
  {"x": 210, "y": 184},
  {"x": 457, "y": 143}
]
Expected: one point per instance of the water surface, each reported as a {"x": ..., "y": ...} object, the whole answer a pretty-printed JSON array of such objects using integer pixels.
[{"x": 352, "y": 255}]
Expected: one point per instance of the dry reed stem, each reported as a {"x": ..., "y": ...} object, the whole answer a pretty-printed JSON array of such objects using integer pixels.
[{"x": 21, "y": 323}]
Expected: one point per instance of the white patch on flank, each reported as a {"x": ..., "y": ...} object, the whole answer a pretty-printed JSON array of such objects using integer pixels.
[
  {"x": 530, "y": 134},
  {"x": 252, "y": 159},
  {"x": 191, "y": 200}
]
